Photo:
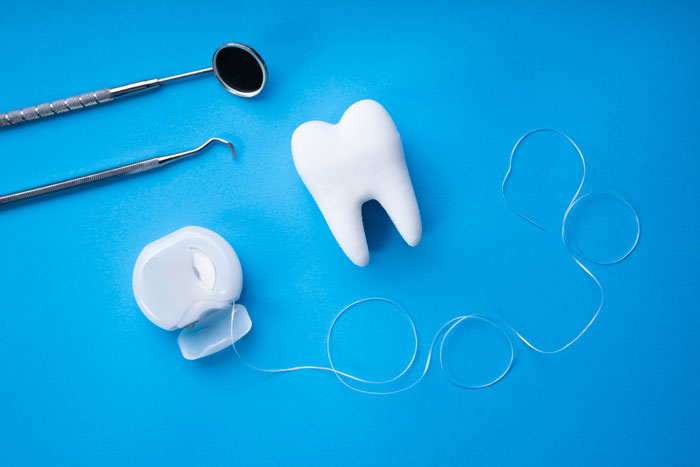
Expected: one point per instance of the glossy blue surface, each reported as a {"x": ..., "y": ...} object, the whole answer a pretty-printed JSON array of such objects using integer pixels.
[{"x": 88, "y": 380}]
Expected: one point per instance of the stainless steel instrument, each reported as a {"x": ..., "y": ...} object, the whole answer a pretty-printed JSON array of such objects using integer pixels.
[
  {"x": 239, "y": 69},
  {"x": 128, "y": 169}
]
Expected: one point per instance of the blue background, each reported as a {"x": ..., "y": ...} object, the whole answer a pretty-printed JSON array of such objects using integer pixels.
[{"x": 87, "y": 379}]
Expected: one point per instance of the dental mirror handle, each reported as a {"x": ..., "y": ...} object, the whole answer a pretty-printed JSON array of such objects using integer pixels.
[
  {"x": 128, "y": 169},
  {"x": 88, "y": 99}
]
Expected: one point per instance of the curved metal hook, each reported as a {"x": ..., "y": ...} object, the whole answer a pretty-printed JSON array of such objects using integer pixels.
[{"x": 180, "y": 155}]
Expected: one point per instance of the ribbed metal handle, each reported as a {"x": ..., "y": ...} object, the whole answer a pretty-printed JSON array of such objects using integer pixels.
[
  {"x": 56, "y": 107},
  {"x": 85, "y": 179}
]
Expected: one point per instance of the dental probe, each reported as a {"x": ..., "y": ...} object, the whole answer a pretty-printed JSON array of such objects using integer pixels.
[
  {"x": 239, "y": 69},
  {"x": 128, "y": 169}
]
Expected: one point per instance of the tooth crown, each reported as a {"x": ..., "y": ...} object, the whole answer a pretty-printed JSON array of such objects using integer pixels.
[{"x": 358, "y": 159}]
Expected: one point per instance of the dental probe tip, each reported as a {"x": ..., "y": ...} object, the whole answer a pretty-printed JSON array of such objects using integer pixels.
[{"x": 221, "y": 140}]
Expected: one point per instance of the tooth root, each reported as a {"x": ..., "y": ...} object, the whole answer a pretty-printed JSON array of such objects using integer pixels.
[
  {"x": 401, "y": 206},
  {"x": 345, "y": 222}
]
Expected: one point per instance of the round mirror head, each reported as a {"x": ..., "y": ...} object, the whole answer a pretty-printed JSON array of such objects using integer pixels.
[{"x": 239, "y": 69}]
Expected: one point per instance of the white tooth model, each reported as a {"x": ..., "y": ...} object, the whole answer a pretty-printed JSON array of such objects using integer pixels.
[
  {"x": 191, "y": 279},
  {"x": 358, "y": 159}
]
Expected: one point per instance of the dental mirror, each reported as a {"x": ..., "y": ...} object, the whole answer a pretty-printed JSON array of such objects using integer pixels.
[{"x": 239, "y": 69}]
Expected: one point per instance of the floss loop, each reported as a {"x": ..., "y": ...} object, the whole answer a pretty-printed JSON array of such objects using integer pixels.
[{"x": 588, "y": 258}]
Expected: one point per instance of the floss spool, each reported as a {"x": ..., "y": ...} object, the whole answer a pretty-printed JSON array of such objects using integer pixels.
[{"x": 190, "y": 280}]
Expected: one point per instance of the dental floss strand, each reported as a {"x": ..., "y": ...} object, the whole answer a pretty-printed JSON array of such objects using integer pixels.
[
  {"x": 444, "y": 330},
  {"x": 453, "y": 323},
  {"x": 575, "y": 200}
]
